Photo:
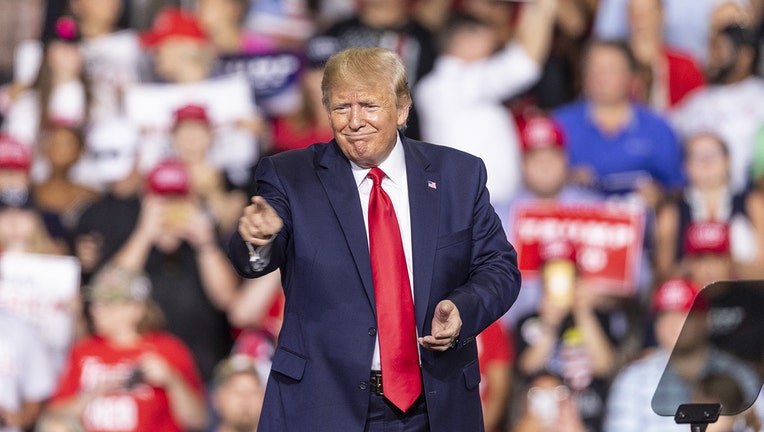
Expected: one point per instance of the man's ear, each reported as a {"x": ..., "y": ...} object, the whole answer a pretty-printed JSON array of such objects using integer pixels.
[{"x": 403, "y": 114}]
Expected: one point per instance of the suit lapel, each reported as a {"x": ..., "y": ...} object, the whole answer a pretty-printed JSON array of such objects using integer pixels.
[
  {"x": 424, "y": 202},
  {"x": 337, "y": 179}
]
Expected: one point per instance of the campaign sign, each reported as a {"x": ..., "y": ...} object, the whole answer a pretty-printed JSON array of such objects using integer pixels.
[
  {"x": 608, "y": 239},
  {"x": 227, "y": 99},
  {"x": 42, "y": 289},
  {"x": 273, "y": 77}
]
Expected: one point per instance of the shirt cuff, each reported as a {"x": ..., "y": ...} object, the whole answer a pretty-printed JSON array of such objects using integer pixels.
[{"x": 259, "y": 256}]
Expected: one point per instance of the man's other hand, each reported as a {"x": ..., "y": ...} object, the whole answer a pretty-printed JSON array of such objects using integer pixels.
[{"x": 446, "y": 324}]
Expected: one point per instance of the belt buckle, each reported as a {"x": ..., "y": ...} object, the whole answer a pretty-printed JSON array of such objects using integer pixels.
[{"x": 375, "y": 382}]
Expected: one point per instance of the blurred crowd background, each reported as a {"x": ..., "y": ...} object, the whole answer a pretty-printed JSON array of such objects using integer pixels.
[{"x": 129, "y": 133}]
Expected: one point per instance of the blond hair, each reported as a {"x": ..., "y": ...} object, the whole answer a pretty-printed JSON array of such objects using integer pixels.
[{"x": 374, "y": 66}]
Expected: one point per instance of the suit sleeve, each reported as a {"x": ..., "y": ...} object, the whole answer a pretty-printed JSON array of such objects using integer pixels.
[
  {"x": 494, "y": 280},
  {"x": 269, "y": 187}
]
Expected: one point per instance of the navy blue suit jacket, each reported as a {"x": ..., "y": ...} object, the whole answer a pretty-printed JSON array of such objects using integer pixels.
[{"x": 320, "y": 371}]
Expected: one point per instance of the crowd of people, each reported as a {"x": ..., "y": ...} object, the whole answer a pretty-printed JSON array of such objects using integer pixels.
[{"x": 129, "y": 136}]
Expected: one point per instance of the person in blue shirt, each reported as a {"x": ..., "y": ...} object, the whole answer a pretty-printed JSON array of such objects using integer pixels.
[{"x": 615, "y": 145}]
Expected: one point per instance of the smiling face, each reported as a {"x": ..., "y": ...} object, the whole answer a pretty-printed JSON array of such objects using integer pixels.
[
  {"x": 366, "y": 96},
  {"x": 365, "y": 122}
]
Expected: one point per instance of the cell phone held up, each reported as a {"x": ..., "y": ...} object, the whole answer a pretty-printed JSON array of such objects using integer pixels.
[
  {"x": 558, "y": 271},
  {"x": 134, "y": 378},
  {"x": 559, "y": 281}
]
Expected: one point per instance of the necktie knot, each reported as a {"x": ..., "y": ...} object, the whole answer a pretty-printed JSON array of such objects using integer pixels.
[{"x": 376, "y": 175}]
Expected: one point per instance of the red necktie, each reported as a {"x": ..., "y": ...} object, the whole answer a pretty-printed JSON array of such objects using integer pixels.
[{"x": 401, "y": 381}]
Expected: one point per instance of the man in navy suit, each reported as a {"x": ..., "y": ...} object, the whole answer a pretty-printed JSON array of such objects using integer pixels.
[{"x": 310, "y": 220}]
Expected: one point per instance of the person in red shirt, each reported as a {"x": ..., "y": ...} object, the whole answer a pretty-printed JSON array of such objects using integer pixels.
[
  {"x": 128, "y": 375},
  {"x": 496, "y": 356},
  {"x": 667, "y": 74}
]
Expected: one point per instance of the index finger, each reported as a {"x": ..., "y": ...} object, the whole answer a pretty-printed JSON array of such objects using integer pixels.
[
  {"x": 259, "y": 204},
  {"x": 258, "y": 201}
]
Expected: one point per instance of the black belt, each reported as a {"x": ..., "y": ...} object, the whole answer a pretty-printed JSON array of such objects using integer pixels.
[{"x": 375, "y": 383}]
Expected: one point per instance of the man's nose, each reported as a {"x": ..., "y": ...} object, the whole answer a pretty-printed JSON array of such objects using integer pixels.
[{"x": 357, "y": 120}]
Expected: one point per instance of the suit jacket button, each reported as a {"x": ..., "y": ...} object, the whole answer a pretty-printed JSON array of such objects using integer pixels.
[
  {"x": 363, "y": 385},
  {"x": 372, "y": 331}
]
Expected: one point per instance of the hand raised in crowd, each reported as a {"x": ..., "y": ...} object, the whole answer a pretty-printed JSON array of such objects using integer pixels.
[
  {"x": 585, "y": 298},
  {"x": 155, "y": 370},
  {"x": 196, "y": 226},
  {"x": 259, "y": 223},
  {"x": 206, "y": 180},
  {"x": 178, "y": 218},
  {"x": 150, "y": 221},
  {"x": 553, "y": 312},
  {"x": 88, "y": 248},
  {"x": 446, "y": 325}
]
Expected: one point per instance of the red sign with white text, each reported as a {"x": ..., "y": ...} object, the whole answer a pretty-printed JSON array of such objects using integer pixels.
[{"x": 608, "y": 239}]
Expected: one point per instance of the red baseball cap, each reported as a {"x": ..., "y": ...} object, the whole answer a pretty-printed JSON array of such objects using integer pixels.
[
  {"x": 676, "y": 294},
  {"x": 541, "y": 132},
  {"x": 14, "y": 154},
  {"x": 191, "y": 112},
  {"x": 707, "y": 238},
  {"x": 169, "y": 177},
  {"x": 173, "y": 21}
]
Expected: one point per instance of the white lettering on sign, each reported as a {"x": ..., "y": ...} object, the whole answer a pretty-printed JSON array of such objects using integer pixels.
[
  {"x": 592, "y": 259},
  {"x": 610, "y": 235},
  {"x": 266, "y": 71},
  {"x": 112, "y": 413}
]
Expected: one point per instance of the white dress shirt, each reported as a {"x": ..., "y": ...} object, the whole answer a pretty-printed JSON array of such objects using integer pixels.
[{"x": 396, "y": 185}]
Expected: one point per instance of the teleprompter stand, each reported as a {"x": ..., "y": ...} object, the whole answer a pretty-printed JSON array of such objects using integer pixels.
[
  {"x": 698, "y": 416},
  {"x": 712, "y": 370}
]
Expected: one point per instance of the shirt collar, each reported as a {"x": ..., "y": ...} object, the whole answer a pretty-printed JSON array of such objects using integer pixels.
[
  {"x": 394, "y": 166},
  {"x": 631, "y": 124}
]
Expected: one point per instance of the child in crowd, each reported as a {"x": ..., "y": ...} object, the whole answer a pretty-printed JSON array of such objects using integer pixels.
[
  {"x": 129, "y": 375},
  {"x": 238, "y": 394}
]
